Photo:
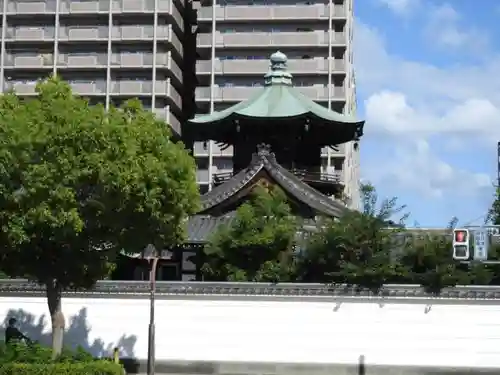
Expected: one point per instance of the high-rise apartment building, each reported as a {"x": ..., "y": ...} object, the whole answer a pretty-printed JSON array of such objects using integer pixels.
[
  {"x": 179, "y": 64},
  {"x": 109, "y": 51}
]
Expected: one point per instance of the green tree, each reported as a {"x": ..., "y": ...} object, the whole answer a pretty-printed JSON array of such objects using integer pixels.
[
  {"x": 79, "y": 183},
  {"x": 359, "y": 248},
  {"x": 430, "y": 262},
  {"x": 258, "y": 244},
  {"x": 494, "y": 213}
]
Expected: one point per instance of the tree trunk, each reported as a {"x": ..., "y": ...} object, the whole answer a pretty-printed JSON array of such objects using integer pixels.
[{"x": 54, "y": 297}]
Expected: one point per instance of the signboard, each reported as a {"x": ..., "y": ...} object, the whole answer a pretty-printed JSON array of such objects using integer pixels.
[{"x": 481, "y": 244}]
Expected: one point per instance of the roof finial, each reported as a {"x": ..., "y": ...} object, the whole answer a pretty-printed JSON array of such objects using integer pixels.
[
  {"x": 278, "y": 73},
  {"x": 278, "y": 61},
  {"x": 263, "y": 149}
]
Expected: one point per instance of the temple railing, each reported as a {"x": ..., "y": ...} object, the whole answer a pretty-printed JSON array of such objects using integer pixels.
[
  {"x": 310, "y": 177},
  {"x": 317, "y": 177},
  {"x": 220, "y": 178}
]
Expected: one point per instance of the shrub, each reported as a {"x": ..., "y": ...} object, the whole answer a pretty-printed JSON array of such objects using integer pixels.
[
  {"x": 98, "y": 367},
  {"x": 35, "y": 359},
  {"x": 38, "y": 354}
]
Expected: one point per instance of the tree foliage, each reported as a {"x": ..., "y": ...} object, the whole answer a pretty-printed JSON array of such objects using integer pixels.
[
  {"x": 430, "y": 263},
  {"x": 258, "y": 244},
  {"x": 494, "y": 213},
  {"x": 79, "y": 183},
  {"x": 356, "y": 249}
]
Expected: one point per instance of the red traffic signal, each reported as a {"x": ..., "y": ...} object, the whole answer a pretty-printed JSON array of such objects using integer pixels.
[{"x": 461, "y": 236}]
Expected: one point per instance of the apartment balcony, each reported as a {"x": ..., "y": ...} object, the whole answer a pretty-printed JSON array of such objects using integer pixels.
[
  {"x": 128, "y": 33},
  {"x": 167, "y": 116},
  {"x": 20, "y": 61},
  {"x": 148, "y": 6},
  {"x": 30, "y": 34},
  {"x": 240, "y": 93},
  {"x": 97, "y": 88},
  {"x": 31, "y": 7},
  {"x": 163, "y": 60},
  {"x": 141, "y": 33},
  {"x": 317, "y": 65},
  {"x": 21, "y": 87},
  {"x": 134, "y": 6},
  {"x": 141, "y": 88},
  {"x": 270, "y": 39},
  {"x": 83, "y": 88},
  {"x": 235, "y": 13},
  {"x": 75, "y": 33},
  {"x": 168, "y": 7},
  {"x": 84, "y": 7},
  {"x": 82, "y": 61}
]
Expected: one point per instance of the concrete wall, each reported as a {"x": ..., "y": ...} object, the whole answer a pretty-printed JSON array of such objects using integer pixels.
[{"x": 283, "y": 337}]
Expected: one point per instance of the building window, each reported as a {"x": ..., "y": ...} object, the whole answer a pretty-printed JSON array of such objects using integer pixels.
[
  {"x": 203, "y": 188},
  {"x": 338, "y": 163},
  {"x": 202, "y": 163},
  {"x": 223, "y": 163}
]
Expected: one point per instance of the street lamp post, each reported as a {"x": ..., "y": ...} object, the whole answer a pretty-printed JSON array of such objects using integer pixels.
[
  {"x": 151, "y": 255},
  {"x": 151, "y": 332}
]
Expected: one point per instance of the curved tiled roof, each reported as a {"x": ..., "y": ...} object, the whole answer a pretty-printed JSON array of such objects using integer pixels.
[
  {"x": 264, "y": 159},
  {"x": 279, "y": 100}
]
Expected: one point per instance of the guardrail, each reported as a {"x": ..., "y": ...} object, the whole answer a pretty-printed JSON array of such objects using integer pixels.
[{"x": 19, "y": 287}]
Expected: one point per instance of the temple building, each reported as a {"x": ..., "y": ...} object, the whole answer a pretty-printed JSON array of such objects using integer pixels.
[{"x": 277, "y": 137}]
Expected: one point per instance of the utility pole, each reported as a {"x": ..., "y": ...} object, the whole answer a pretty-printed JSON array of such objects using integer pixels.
[{"x": 498, "y": 164}]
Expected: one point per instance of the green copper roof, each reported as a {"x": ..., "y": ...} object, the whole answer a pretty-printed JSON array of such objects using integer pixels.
[{"x": 278, "y": 99}]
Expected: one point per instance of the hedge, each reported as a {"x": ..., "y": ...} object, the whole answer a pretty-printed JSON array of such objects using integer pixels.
[{"x": 89, "y": 368}]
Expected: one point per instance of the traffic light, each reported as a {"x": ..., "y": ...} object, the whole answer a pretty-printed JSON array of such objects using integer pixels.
[{"x": 461, "y": 249}]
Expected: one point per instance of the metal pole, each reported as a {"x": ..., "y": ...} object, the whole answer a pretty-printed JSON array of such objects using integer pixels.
[
  {"x": 498, "y": 164},
  {"x": 151, "y": 333},
  {"x": 2, "y": 46},
  {"x": 329, "y": 78},
  {"x": 212, "y": 92}
]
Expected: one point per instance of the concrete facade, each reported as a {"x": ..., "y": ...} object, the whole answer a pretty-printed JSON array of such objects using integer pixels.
[
  {"x": 109, "y": 51},
  {"x": 286, "y": 335},
  {"x": 113, "y": 50}
]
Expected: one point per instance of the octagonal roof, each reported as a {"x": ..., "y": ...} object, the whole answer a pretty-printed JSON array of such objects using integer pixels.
[{"x": 278, "y": 99}]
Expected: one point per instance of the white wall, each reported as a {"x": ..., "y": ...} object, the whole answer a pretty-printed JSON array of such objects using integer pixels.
[{"x": 293, "y": 332}]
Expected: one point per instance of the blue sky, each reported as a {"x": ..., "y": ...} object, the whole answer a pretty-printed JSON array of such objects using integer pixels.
[{"x": 428, "y": 85}]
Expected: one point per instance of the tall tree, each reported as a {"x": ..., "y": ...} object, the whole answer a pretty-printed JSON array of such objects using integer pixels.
[
  {"x": 357, "y": 249},
  {"x": 494, "y": 213},
  {"x": 78, "y": 184},
  {"x": 258, "y": 245},
  {"x": 429, "y": 259}
]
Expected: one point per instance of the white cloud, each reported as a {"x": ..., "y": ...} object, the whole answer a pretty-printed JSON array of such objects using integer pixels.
[
  {"x": 390, "y": 112},
  {"x": 378, "y": 69},
  {"x": 414, "y": 166},
  {"x": 419, "y": 106},
  {"x": 400, "y": 7},
  {"x": 445, "y": 28}
]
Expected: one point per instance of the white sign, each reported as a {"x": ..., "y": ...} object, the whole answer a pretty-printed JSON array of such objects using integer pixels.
[{"x": 481, "y": 244}]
